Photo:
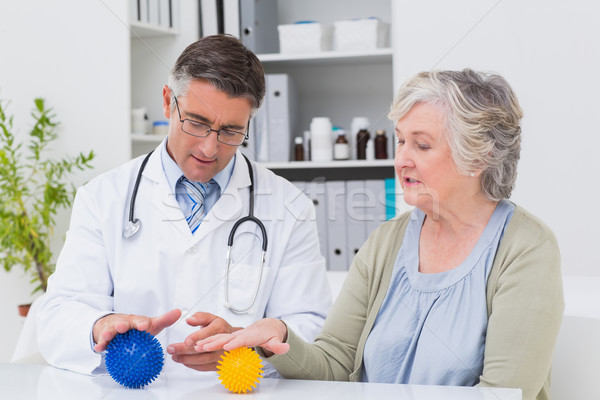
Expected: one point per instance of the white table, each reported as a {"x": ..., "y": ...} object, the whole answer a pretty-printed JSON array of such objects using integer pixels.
[{"x": 31, "y": 381}]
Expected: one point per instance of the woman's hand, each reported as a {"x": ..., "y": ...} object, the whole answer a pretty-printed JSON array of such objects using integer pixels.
[{"x": 268, "y": 333}]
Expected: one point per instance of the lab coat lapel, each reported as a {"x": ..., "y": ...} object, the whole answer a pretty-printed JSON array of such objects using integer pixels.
[
  {"x": 162, "y": 198},
  {"x": 230, "y": 206}
]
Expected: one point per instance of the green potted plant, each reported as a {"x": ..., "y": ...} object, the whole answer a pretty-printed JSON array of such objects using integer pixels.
[{"x": 33, "y": 188}]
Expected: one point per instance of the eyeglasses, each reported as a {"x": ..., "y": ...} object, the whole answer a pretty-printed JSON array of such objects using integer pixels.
[{"x": 199, "y": 129}]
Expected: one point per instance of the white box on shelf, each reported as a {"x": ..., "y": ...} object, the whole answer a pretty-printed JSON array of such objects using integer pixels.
[
  {"x": 305, "y": 37},
  {"x": 360, "y": 34}
]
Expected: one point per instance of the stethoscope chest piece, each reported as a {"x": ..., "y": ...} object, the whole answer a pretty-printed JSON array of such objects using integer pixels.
[{"x": 131, "y": 228}]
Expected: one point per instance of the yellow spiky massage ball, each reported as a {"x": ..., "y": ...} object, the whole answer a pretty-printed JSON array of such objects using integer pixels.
[{"x": 240, "y": 370}]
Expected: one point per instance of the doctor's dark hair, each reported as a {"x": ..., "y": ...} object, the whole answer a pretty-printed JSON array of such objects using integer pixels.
[
  {"x": 226, "y": 63},
  {"x": 482, "y": 122}
]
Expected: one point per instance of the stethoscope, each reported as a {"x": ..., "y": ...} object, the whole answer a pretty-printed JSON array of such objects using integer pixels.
[{"x": 133, "y": 226}]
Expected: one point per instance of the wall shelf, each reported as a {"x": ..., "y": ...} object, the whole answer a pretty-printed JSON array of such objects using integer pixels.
[
  {"x": 330, "y": 164},
  {"x": 334, "y": 170},
  {"x": 142, "y": 138},
  {"x": 142, "y": 29},
  {"x": 329, "y": 58}
]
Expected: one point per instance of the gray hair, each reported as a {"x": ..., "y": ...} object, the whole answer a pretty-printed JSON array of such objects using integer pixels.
[
  {"x": 482, "y": 121},
  {"x": 223, "y": 61}
]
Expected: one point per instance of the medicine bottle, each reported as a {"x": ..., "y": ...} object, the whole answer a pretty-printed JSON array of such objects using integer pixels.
[
  {"x": 356, "y": 125},
  {"x": 370, "y": 150},
  {"x": 160, "y": 128},
  {"x": 362, "y": 137},
  {"x": 341, "y": 148},
  {"x": 321, "y": 143},
  {"x": 380, "y": 145},
  {"x": 299, "y": 149}
]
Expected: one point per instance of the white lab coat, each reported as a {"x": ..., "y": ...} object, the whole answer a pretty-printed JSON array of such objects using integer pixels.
[{"x": 164, "y": 266}]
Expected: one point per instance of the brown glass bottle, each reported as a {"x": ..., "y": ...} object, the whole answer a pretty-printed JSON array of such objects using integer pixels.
[
  {"x": 299, "y": 149},
  {"x": 362, "y": 137},
  {"x": 380, "y": 145},
  {"x": 340, "y": 148}
]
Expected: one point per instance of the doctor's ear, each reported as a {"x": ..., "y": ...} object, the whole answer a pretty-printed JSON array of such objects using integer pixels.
[{"x": 167, "y": 102}]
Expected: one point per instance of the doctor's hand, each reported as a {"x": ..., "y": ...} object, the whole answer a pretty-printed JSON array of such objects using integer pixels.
[
  {"x": 268, "y": 333},
  {"x": 106, "y": 328},
  {"x": 185, "y": 353}
]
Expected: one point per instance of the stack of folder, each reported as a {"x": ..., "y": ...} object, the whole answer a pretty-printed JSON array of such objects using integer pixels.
[{"x": 346, "y": 214}]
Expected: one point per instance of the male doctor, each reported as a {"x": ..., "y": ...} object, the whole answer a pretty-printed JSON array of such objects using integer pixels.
[{"x": 170, "y": 277}]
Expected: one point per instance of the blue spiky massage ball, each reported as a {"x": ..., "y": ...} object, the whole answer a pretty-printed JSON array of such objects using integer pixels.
[{"x": 134, "y": 358}]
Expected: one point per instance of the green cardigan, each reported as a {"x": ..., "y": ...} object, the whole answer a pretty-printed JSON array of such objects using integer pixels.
[{"x": 524, "y": 302}]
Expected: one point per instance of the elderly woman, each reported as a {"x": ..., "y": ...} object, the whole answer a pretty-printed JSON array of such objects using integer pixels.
[{"x": 463, "y": 290}]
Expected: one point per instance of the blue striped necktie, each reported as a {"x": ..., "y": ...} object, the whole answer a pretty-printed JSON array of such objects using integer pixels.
[{"x": 196, "y": 193}]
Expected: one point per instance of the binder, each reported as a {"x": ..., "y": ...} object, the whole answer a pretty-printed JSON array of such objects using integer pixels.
[
  {"x": 259, "y": 130},
  {"x": 337, "y": 239},
  {"x": 376, "y": 215},
  {"x": 259, "y": 25},
  {"x": 280, "y": 116},
  {"x": 209, "y": 18},
  {"x": 134, "y": 11},
  {"x": 315, "y": 191},
  {"x": 300, "y": 185},
  {"x": 256, "y": 131},
  {"x": 144, "y": 12},
  {"x": 390, "y": 198},
  {"x": 165, "y": 16},
  {"x": 248, "y": 148},
  {"x": 153, "y": 12},
  {"x": 231, "y": 17},
  {"x": 175, "y": 14},
  {"x": 356, "y": 201}
]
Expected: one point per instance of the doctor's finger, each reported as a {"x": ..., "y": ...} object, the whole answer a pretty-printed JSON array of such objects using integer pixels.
[
  {"x": 107, "y": 331},
  {"x": 157, "y": 324},
  {"x": 200, "y": 361},
  {"x": 201, "y": 319},
  {"x": 203, "y": 367},
  {"x": 103, "y": 341},
  {"x": 180, "y": 348},
  {"x": 107, "y": 327},
  {"x": 216, "y": 326}
]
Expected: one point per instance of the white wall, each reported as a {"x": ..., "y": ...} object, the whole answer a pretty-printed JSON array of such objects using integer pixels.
[
  {"x": 548, "y": 51},
  {"x": 75, "y": 55}
]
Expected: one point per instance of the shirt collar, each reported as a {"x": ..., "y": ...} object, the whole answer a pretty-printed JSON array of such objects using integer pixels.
[{"x": 173, "y": 172}]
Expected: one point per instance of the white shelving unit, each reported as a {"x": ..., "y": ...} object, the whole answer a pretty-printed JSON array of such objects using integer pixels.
[{"x": 337, "y": 84}]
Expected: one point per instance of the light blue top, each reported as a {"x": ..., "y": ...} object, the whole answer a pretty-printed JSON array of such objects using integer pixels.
[
  {"x": 173, "y": 173},
  {"x": 431, "y": 328}
]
